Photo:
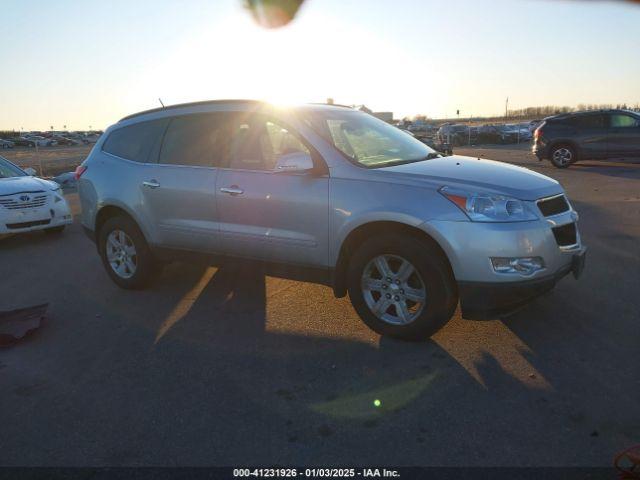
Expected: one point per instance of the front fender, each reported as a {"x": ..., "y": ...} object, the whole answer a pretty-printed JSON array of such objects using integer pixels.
[{"x": 347, "y": 227}]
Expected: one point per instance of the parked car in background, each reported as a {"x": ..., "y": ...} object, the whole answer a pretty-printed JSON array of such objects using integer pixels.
[
  {"x": 431, "y": 140},
  {"x": 567, "y": 138},
  {"x": 41, "y": 141},
  {"x": 523, "y": 134},
  {"x": 66, "y": 180},
  {"x": 62, "y": 140},
  {"x": 457, "y": 135},
  {"x": 497, "y": 134},
  {"x": 332, "y": 195},
  {"x": 78, "y": 138},
  {"x": 28, "y": 203},
  {"x": 440, "y": 147},
  {"x": 6, "y": 143},
  {"x": 91, "y": 138},
  {"x": 23, "y": 142},
  {"x": 510, "y": 132}
]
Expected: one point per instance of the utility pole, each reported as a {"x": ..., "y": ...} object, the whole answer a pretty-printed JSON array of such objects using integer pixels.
[{"x": 506, "y": 109}]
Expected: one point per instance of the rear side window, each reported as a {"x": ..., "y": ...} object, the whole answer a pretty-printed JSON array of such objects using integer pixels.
[
  {"x": 199, "y": 140},
  {"x": 591, "y": 121},
  {"x": 135, "y": 142},
  {"x": 620, "y": 120},
  {"x": 587, "y": 121}
]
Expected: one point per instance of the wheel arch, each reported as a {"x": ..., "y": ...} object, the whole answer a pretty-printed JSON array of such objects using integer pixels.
[
  {"x": 364, "y": 231},
  {"x": 113, "y": 210},
  {"x": 565, "y": 141}
]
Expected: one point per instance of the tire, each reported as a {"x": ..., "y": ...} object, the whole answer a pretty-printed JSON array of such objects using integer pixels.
[
  {"x": 54, "y": 230},
  {"x": 431, "y": 270},
  {"x": 563, "y": 155},
  {"x": 132, "y": 269}
]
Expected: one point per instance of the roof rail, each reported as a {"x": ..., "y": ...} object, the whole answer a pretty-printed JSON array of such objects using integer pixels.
[
  {"x": 331, "y": 104},
  {"x": 189, "y": 104}
]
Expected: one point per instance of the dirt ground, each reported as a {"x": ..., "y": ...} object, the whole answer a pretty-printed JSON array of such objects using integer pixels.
[
  {"x": 229, "y": 367},
  {"x": 54, "y": 160}
]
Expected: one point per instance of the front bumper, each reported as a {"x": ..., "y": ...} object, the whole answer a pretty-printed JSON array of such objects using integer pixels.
[
  {"x": 485, "y": 292},
  {"x": 487, "y": 300},
  {"x": 51, "y": 214}
]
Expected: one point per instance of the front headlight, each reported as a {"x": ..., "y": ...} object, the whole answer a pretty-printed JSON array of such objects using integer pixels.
[
  {"x": 57, "y": 195},
  {"x": 484, "y": 207}
]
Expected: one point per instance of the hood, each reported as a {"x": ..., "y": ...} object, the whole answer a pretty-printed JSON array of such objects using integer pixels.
[
  {"x": 480, "y": 174},
  {"x": 13, "y": 185}
]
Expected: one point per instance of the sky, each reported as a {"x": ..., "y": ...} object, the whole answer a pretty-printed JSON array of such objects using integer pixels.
[{"x": 87, "y": 63}]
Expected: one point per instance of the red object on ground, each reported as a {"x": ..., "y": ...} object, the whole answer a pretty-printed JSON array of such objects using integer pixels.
[
  {"x": 16, "y": 324},
  {"x": 627, "y": 463}
]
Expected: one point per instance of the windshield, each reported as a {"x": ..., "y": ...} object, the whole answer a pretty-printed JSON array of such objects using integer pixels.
[
  {"x": 8, "y": 169},
  {"x": 365, "y": 139}
]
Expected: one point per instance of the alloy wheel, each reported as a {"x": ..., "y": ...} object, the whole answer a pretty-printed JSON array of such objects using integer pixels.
[
  {"x": 121, "y": 254},
  {"x": 562, "y": 156},
  {"x": 393, "y": 289}
]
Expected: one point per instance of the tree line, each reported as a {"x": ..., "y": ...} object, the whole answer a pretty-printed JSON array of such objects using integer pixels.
[
  {"x": 538, "y": 113},
  {"x": 547, "y": 110}
]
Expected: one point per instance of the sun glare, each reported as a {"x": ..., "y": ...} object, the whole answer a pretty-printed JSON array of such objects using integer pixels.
[{"x": 306, "y": 61}]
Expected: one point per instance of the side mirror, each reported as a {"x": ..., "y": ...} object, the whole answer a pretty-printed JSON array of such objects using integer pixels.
[
  {"x": 30, "y": 171},
  {"x": 297, "y": 162}
]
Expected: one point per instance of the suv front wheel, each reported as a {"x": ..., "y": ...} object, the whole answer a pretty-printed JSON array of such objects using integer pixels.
[
  {"x": 125, "y": 254},
  {"x": 562, "y": 156},
  {"x": 401, "y": 287}
]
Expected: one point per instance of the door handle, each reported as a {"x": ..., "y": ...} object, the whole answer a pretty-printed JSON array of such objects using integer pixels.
[
  {"x": 232, "y": 190},
  {"x": 151, "y": 184}
]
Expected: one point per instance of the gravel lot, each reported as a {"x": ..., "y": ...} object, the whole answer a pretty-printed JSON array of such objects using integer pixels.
[
  {"x": 54, "y": 160},
  {"x": 227, "y": 367}
]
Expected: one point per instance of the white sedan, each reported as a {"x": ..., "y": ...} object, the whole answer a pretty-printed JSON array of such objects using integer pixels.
[{"x": 28, "y": 203}]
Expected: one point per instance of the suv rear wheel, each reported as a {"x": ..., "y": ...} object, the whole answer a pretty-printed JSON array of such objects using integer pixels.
[
  {"x": 563, "y": 155},
  {"x": 401, "y": 287},
  {"x": 125, "y": 254}
]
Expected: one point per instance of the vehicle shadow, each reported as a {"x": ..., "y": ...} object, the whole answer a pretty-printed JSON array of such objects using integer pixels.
[
  {"x": 29, "y": 240},
  {"x": 583, "y": 335},
  {"x": 309, "y": 393},
  {"x": 621, "y": 168},
  {"x": 228, "y": 367}
]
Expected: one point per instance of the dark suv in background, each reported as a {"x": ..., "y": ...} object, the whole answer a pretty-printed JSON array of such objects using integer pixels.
[{"x": 564, "y": 139}]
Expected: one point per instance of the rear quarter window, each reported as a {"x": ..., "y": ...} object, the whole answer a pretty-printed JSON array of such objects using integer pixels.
[
  {"x": 621, "y": 120},
  {"x": 583, "y": 121},
  {"x": 591, "y": 121},
  {"x": 135, "y": 142}
]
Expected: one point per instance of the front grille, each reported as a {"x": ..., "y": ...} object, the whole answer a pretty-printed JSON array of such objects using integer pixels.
[
  {"x": 565, "y": 235},
  {"x": 553, "y": 206},
  {"x": 14, "y": 202},
  {"x": 15, "y": 226}
]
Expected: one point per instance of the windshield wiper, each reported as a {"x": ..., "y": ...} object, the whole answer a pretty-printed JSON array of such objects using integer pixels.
[
  {"x": 430, "y": 156},
  {"x": 395, "y": 163}
]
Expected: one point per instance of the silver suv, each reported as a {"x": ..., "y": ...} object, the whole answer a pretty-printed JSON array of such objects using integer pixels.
[{"x": 331, "y": 195}]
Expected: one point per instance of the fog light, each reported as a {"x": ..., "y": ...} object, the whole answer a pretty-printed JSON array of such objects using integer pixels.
[{"x": 521, "y": 265}]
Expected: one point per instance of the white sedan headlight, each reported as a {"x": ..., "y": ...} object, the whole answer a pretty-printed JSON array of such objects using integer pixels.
[
  {"x": 484, "y": 207},
  {"x": 58, "y": 196}
]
